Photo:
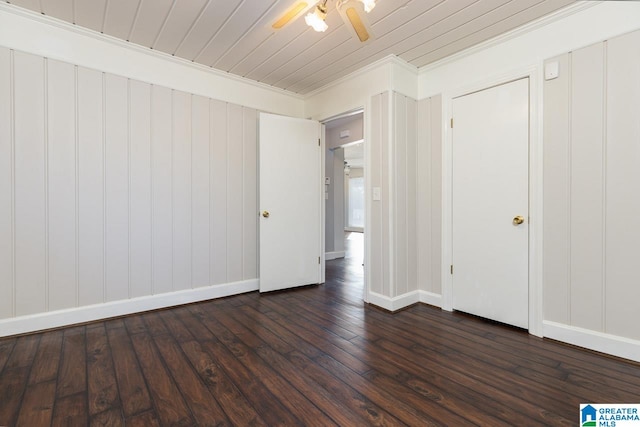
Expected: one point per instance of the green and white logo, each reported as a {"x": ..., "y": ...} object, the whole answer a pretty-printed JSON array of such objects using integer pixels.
[{"x": 609, "y": 415}]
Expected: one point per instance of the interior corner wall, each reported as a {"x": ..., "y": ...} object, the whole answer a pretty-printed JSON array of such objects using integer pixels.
[
  {"x": 404, "y": 173},
  {"x": 403, "y": 220},
  {"x": 592, "y": 183},
  {"x": 117, "y": 195},
  {"x": 429, "y": 199}
]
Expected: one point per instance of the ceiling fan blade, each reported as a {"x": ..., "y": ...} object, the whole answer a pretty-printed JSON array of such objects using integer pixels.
[
  {"x": 355, "y": 19},
  {"x": 296, "y": 9}
]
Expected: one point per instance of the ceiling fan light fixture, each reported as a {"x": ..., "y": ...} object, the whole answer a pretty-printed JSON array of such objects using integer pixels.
[
  {"x": 368, "y": 5},
  {"x": 289, "y": 15},
  {"x": 357, "y": 24},
  {"x": 354, "y": 16},
  {"x": 316, "y": 19}
]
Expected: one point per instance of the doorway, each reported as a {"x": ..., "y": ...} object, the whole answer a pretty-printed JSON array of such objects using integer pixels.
[
  {"x": 344, "y": 190},
  {"x": 490, "y": 203}
]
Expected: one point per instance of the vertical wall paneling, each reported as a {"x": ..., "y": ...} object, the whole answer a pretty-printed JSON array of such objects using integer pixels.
[
  {"x": 412, "y": 176},
  {"x": 112, "y": 188},
  {"x": 385, "y": 153},
  {"x": 61, "y": 179},
  {"x": 218, "y": 188},
  {"x": 117, "y": 188},
  {"x": 423, "y": 196},
  {"x": 250, "y": 193},
  {"x": 623, "y": 186},
  {"x": 436, "y": 194},
  {"x": 161, "y": 185},
  {"x": 400, "y": 146},
  {"x": 30, "y": 175},
  {"x": 181, "y": 190},
  {"x": 140, "y": 191},
  {"x": 375, "y": 228},
  {"x": 591, "y": 187},
  {"x": 556, "y": 194},
  {"x": 6, "y": 185},
  {"x": 90, "y": 187},
  {"x": 200, "y": 181},
  {"x": 235, "y": 187},
  {"x": 405, "y": 178},
  {"x": 586, "y": 214}
]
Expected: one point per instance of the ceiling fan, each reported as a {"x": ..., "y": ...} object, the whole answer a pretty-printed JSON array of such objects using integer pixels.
[{"x": 352, "y": 12}]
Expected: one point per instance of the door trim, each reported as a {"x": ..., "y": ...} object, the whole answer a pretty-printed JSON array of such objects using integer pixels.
[{"x": 535, "y": 188}]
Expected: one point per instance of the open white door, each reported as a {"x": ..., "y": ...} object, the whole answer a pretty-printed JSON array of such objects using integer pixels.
[
  {"x": 290, "y": 202},
  {"x": 491, "y": 203}
]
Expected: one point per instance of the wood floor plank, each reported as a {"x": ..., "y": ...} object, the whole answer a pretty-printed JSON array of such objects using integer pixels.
[
  {"x": 233, "y": 402},
  {"x": 534, "y": 365},
  {"x": 24, "y": 352},
  {"x": 72, "y": 376},
  {"x": 296, "y": 401},
  {"x": 37, "y": 405},
  {"x": 6, "y": 348},
  {"x": 203, "y": 405},
  {"x": 168, "y": 401},
  {"x": 110, "y": 418},
  {"x": 132, "y": 388},
  {"x": 155, "y": 324},
  {"x": 146, "y": 419},
  {"x": 13, "y": 379},
  {"x": 12, "y": 385},
  {"x": 265, "y": 403},
  {"x": 135, "y": 324},
  {"x": 101, "y": 378},
  {"x": 47, "y": 359},
  {"x": 343, "y": 392},
  {"x": 318, "y": 395},
  {"x": 71, "y": 411},
  {"x": 193, "y": 323},
  {"x": 176, "y": 328},
  {"x": 396, "y": 407}
]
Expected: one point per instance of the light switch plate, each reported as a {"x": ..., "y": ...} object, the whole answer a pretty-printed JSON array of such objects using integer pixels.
[
  {"x": 376, "y": 193},
  {"x": 551, "y": 70}
]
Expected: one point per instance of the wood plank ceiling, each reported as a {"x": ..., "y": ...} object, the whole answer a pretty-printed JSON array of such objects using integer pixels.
[{"x": 236, "y": 35}]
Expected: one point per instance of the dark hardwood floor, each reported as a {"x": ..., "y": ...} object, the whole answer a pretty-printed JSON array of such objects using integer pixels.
[{"x": 313, "y": 356}]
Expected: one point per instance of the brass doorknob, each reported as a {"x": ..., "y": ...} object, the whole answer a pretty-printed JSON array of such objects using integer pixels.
[
  {"x": 265, "y": 214},
  {"x": 518, "y": 220}
]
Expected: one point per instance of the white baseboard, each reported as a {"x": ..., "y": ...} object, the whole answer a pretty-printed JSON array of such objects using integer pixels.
[
  {"x": 598, "y": 341},
  {"x": 431, "y": 298},
  {"x": 395, "y": 303},
  {"x": 333, "y": 255},
  {"x": 404, "y": 300},
  {"x": 71, "y": 316}
]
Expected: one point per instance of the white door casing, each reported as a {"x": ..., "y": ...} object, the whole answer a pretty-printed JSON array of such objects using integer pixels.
[
  {"x": 490, "y": 187},
  {"x": 291, "y": 192}
]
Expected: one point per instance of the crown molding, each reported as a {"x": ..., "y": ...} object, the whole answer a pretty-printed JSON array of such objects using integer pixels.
[
  {"x": 58, "y": 23},
  {"x": 516, "y": 32},
  {"x": 390, "y": 59}
]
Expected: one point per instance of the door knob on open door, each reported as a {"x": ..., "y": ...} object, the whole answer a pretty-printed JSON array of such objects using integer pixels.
[
  {"x": 265, "y": 214},
  {"x": 518, "y": 220}
]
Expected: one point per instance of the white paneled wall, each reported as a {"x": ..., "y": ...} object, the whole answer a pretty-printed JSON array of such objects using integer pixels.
[
  {"x": 112, "y": 189},
  {"x": 405, "y": 167},
  {"x": 592, "y": 188},
  {"x": 429, "y": 197},
  {"x": 379, "y": 281},
  {"x": 406, "y": 223}
]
